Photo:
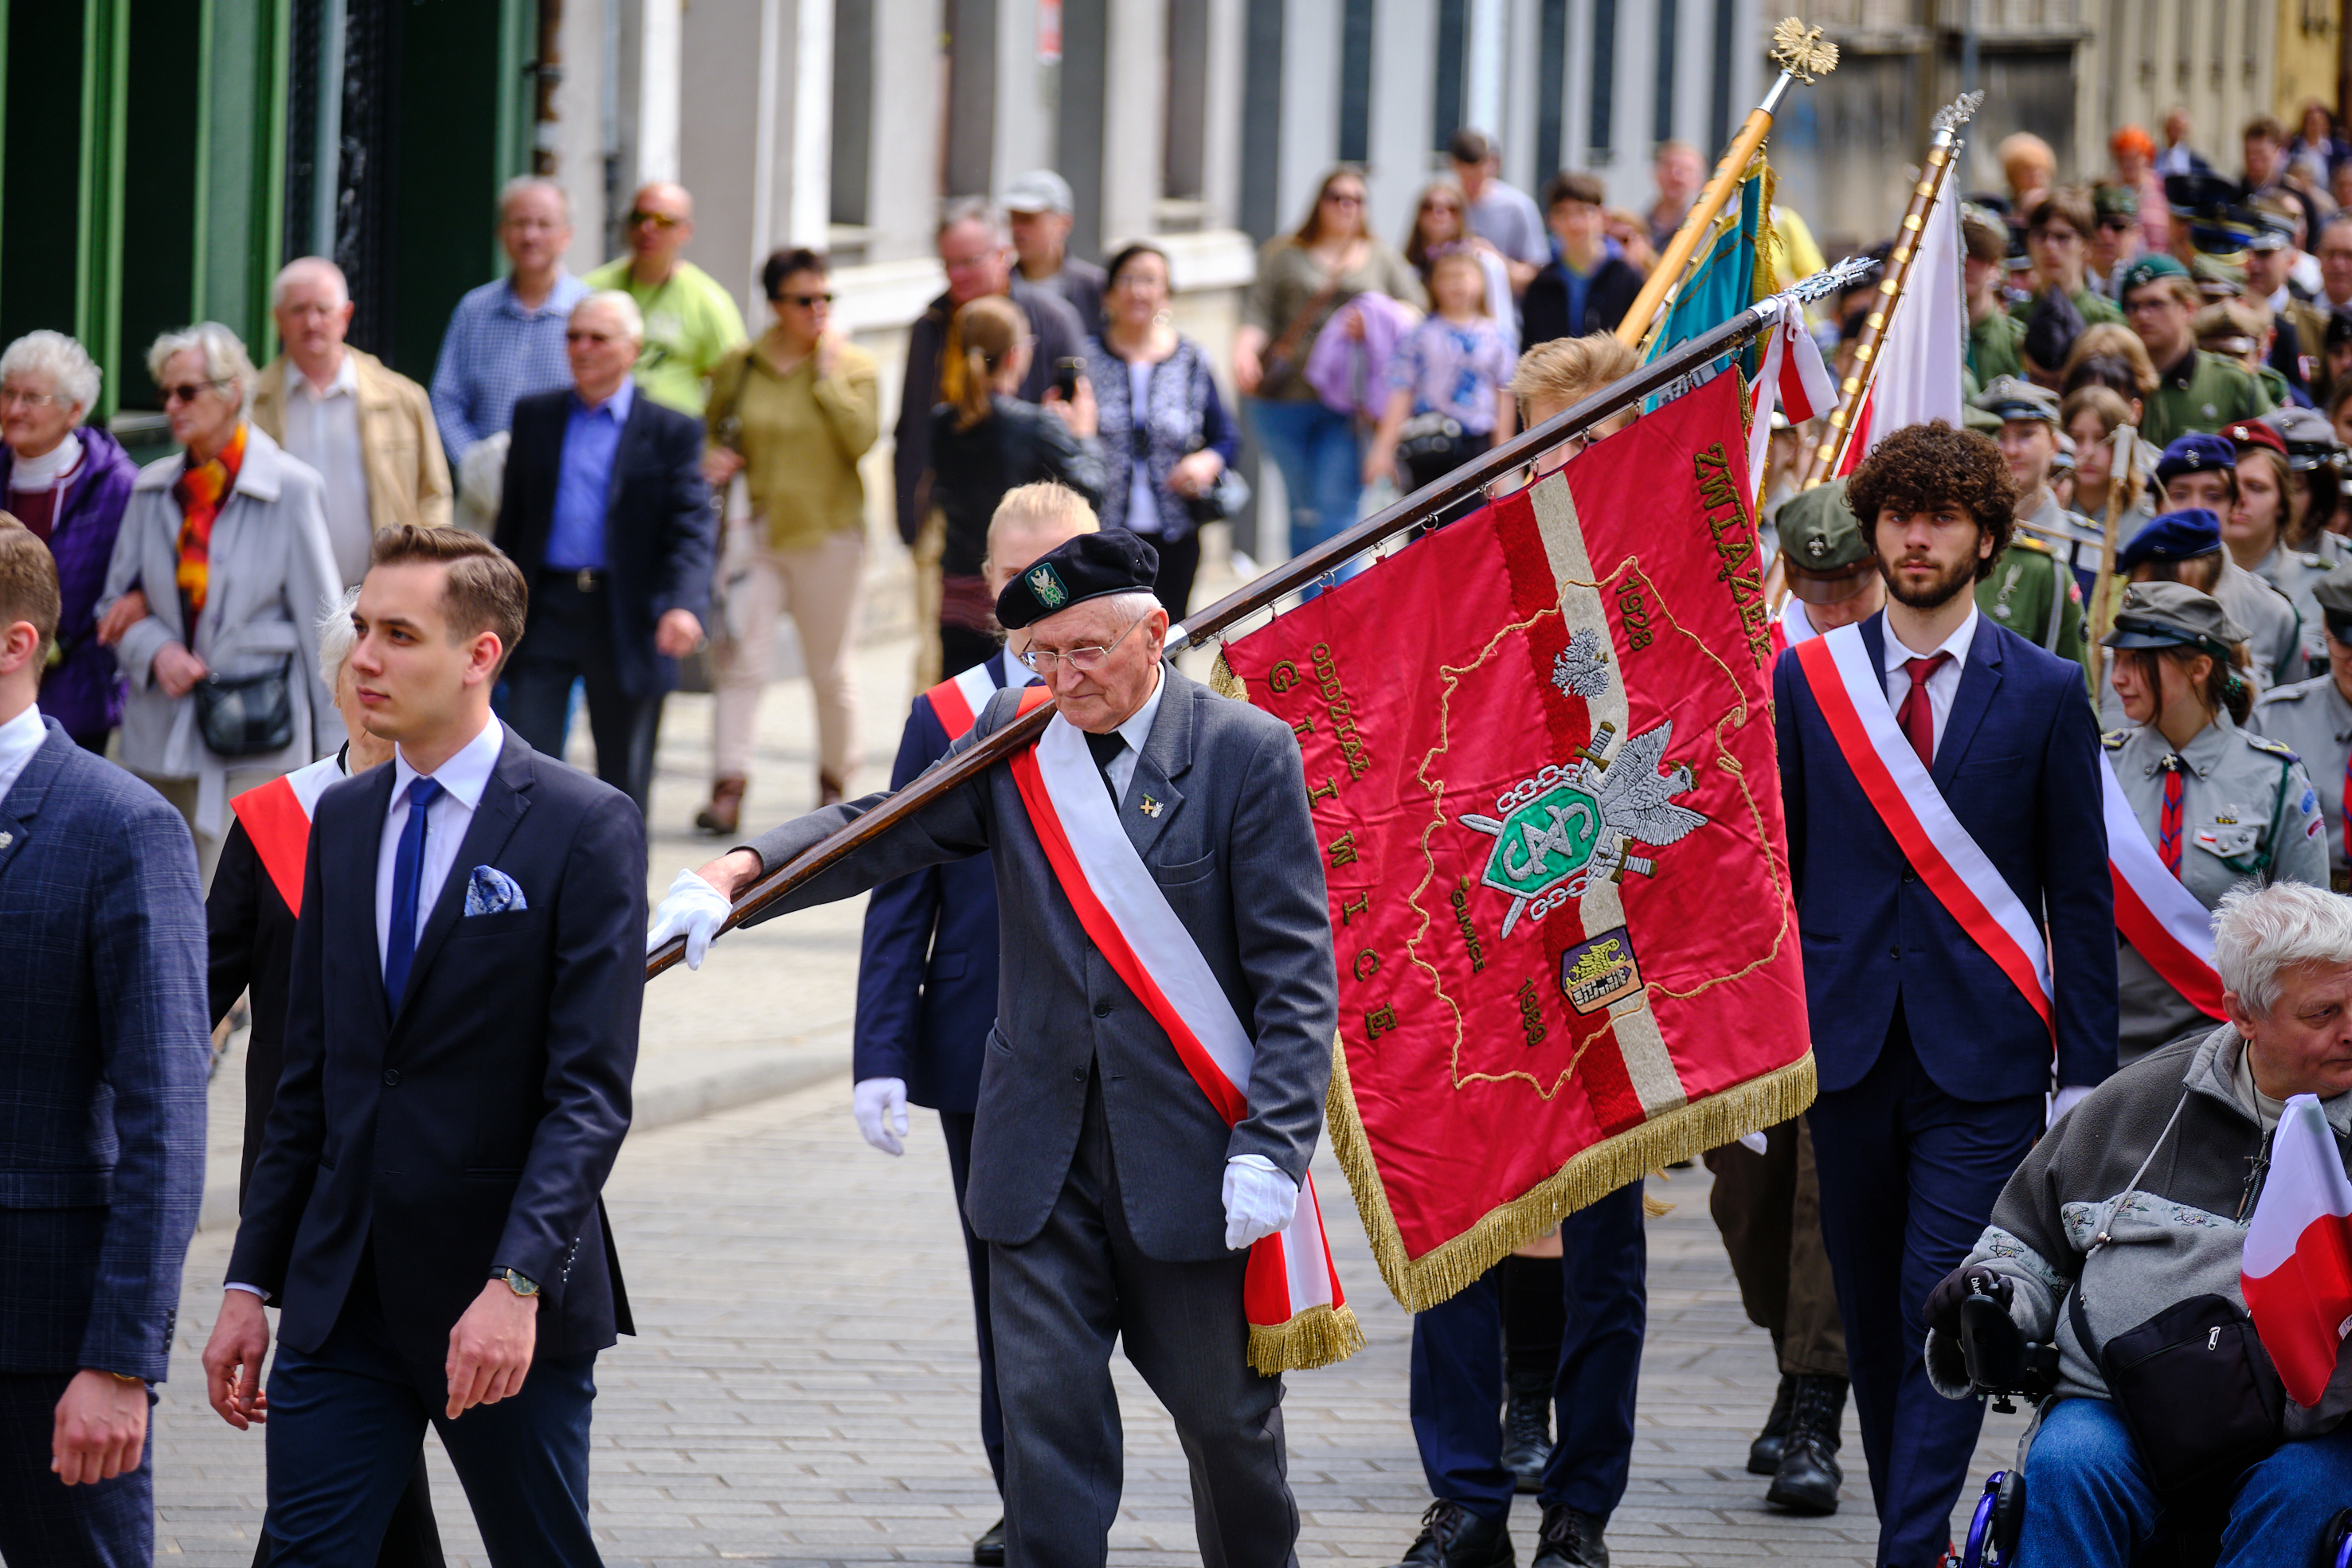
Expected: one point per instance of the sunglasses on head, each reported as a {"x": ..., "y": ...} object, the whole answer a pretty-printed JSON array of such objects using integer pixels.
[{"x": 638, "y": 217}]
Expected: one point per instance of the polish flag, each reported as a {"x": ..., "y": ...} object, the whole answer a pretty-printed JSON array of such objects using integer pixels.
[
  {"x": 2297, "y": 1272},
  {"x": 1793, "y": 371},
  {"x": 1919, "y": 356}
]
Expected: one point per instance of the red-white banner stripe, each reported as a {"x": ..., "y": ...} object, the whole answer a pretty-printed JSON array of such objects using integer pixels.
[
  {"x": 1141, "y": 937},
  {"x": 1852, "y": 699},
  {"x": 1793, "y": 371},
  {"x": 959, "y": 700},
  {"x": 2160, "y": 918}
]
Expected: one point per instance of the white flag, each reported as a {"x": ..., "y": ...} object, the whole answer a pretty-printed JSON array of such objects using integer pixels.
[{"x": 1920, "y": 354}]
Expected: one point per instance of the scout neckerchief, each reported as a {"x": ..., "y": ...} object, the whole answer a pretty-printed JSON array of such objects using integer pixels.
[
  {"x": 2162, "y": 920},
  {"x": 1297, "y": 1314},
  {"x": 1852, "y": 695},
  {"x": 277, "y": 818},
  {"x": 201, "y": 490}
]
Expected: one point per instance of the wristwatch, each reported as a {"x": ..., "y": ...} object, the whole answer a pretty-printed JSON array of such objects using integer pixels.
[{"x": 521, "y": 1284}]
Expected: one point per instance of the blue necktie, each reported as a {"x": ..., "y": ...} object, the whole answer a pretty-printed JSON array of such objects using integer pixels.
[{"x": 407, "y": 878}]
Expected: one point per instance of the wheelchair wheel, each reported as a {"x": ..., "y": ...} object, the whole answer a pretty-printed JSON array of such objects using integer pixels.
[
  {"x": 1982, "y": 1551},
  {"x": 2336, "y": 1541}
]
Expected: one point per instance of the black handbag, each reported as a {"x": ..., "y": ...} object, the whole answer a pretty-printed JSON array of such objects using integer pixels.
[
  {"x": 1226, "y": 498},
  {"x": 2194, "y": 1386},
  {"x": 246, "y": 716}
]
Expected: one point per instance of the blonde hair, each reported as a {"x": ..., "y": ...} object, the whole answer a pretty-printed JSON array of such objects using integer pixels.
[
  {"x": 1567, "y": 371},
  {"x": 2116, "y": 341},
  {"x": 985, "y": 330},
  {"x": 1044, "y": 506}
]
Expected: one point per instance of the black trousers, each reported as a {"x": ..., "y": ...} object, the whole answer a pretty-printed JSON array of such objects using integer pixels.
[
  {"x": 956, "y": 1127},
  {"x": 569, "y": 637},
  {"x": 413, "y": 1539},
  {"x": 1059, "y": 1301},
  {"x": 1180, "y": 563},
  {"x": 45, "y": 1525}
]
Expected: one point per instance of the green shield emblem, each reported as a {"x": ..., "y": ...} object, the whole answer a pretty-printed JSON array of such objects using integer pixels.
[
  {"x": 1046, "y": 584},
  {"x": 1544, "y": 842}
]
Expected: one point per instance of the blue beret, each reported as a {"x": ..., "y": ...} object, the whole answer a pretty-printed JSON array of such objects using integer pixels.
[
  {"x": 2172, "y": 536},
  {"x": 2196, "y": 453}
]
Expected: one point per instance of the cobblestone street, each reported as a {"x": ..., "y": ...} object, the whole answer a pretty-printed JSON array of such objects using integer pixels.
[{"x": 801, "y": 1390}]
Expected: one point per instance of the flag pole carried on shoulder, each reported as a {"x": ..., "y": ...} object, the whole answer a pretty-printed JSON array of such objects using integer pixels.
[
  {"x": 1803, "y": 56},
  {"x": 1662, "y": 376},
  {"x": 1828, "y": 456}
]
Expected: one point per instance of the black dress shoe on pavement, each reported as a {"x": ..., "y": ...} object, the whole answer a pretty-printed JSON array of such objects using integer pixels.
[
  {"x": 1809, "y": 1476},
  {"x": 1527, "y": 1430},
  {"x": 1764, "y": 1453},
  {"x": 989, "y": 1550},
  {"x": 1570, "y": 1538},
  {"x": 1453, "y": 1537}
]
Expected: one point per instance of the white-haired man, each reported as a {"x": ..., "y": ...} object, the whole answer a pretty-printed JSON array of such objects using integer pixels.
[
  {"x": 368, "y": 430},
  {"x": 2136, "y": 1202}
]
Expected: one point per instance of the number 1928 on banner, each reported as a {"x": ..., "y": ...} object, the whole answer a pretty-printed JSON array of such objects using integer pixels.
[{"x": 1539, "y": 756}]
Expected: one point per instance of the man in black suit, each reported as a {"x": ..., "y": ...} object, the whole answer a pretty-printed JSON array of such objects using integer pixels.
[
  {"x": 605, "y": 512},
  {"x": 461, "y": 1028}
]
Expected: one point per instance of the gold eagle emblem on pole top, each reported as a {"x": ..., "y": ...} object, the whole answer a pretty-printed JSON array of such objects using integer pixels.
[{"x": 1802, "y": 51}]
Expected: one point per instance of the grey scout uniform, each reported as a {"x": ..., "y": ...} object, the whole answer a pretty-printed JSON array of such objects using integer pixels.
[
  {"x": 2312, "y": 719},
  {"x": 2247, "y": 811},
  {"x": 2294, "y": 572},
  {"x": 2273, "y": 640}
]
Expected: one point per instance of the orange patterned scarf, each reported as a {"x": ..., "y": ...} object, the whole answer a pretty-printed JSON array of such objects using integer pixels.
[{"x": 200, "y": 491}]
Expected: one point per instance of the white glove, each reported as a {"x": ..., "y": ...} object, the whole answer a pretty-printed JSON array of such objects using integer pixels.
[
  {"x": 880, "y": 1106},
  {"x": 1753, "y": 1143},
  {"x": 2065, "y": 1100},
  {"x": 1260, "y": 1201},
  {"x": 692, "y": 909}
]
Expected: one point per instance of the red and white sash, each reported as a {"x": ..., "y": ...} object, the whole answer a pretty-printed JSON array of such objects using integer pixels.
[
  {"x": 277, "y": 818},
  {"x": 959, "y": 699},
  {"x": 1297, "y": 1314},
  {"x": 1839, "y": 671},
  {"x": 2161, "y": 919}
]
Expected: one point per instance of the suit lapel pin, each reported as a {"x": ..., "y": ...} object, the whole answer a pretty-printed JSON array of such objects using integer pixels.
[{"x": 1150, "y": 806}]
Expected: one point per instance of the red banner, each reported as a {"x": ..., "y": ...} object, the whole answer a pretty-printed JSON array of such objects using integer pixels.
[{"x": 1539, "y": 747}]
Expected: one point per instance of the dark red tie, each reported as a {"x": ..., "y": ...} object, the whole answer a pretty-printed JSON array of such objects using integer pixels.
[
  {"x": 1917, "y": 715},
  {"x": 2168, "y": 821}
]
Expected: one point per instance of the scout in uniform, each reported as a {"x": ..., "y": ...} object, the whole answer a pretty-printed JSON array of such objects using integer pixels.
[
  {"x": 2313, "y": 719},
  {"x": 2037, "y": 455},
  {"x": 1996, "y": 338},
  {"x": 2196, "y": 390},
  {"x": 2199, "y": 473},
  {"x": 2220, "y": 804},
  {"x": 2030, "y": 589},
  {"x": 2257, "y": 530},
  {"x": 2316, "y": 459}
]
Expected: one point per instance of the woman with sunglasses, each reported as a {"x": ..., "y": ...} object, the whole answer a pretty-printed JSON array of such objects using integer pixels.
[
  {"x": 792, "y": 413},
  {"x": 1303, "y": 279},
  {"x": 218, "y": 576}
]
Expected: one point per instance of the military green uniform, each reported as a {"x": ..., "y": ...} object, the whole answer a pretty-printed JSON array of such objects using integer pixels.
[
  {"x": 2204, "y": 391},
  {"x": 2295, "y": 573},
  {"x": 2312, "y": 719},
  {"x": 1996, "y": 348},
  {"x": 2247, "y": 811},
  {"x": 2032, "y": 595}
]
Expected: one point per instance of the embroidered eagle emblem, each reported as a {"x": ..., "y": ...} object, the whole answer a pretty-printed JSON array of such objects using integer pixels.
[
  {"x": 1582, "y": 668},
  {"x": 1046, "y": 584}
]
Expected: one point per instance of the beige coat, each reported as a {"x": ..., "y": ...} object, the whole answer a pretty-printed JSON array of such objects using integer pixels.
[{"x": 407, "y": 477}]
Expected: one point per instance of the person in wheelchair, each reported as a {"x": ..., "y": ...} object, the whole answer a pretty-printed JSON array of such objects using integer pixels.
[{"x": 2118, "y": 1245}]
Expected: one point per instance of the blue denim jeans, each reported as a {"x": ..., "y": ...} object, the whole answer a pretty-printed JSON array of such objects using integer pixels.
[
  {"x": 2088, "y": 1503},
  {"x": 1322, "y": 471}
]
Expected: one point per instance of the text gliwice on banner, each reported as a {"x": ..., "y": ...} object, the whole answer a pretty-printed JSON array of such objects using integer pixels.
[{"x": 1539, "y": 755}]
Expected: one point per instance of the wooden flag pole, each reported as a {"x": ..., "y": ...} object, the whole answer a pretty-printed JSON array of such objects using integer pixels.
[
  {"x": 1820, "y": 462},
  {"x": 1802, "y": 56}
]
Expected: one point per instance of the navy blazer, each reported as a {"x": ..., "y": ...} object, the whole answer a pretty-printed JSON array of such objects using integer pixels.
[
  {"x": 472, "y": 1129},
  {"x": 659, "y": 530},
  {"x": 2019, "y": 764},
  {"x": 927, "y": 966},
  {"x": 103, "y": 1050}
]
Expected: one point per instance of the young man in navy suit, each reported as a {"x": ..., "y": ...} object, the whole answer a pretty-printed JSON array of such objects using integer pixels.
[
  {"x": 103, "y": 1042},
  {"x": 461, "y": 1027},
  {"x": 1935, "y": 1062}
]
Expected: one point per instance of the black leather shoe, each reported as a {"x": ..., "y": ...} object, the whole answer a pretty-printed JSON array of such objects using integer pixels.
[
  {"x": 1809, "y": 1476},
  {"x": 989, "y": 1550},
  {"x": 1570, "y": 1538},
  {"x": 1527, "y": 1430},
  {"x": 1453, "y": 1537},
  {"x": 1764, "y": 1453}
]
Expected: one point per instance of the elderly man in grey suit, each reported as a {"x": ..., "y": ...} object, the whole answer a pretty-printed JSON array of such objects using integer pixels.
[{"x": 1116, "y": 1199}]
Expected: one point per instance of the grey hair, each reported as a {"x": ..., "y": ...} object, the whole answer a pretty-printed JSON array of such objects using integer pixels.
[
  {"x": 302, "y": 263},
  {"x": 521, "y": 183},
  {"x": 222, "y": 351},
  {"x": 2259, "y": 932},
  {"x": 1132, "y": 605},
  {"x": 67, "y": 363},
  {"x": 975, "y": 210},
  {"x": 337, "y": 635},
  {"x": 618, "y": 302}
]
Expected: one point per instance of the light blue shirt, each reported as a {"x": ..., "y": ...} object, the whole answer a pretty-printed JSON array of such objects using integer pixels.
[
  {"x": 496, "y": 351},
  {"x": 584, "y": 480}
]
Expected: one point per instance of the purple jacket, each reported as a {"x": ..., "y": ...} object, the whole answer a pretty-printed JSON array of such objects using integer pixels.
[{"x": 84, "y": 693}]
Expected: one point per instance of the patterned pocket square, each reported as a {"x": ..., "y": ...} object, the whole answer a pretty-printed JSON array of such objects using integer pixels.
[{"x": 492, "y": 892}]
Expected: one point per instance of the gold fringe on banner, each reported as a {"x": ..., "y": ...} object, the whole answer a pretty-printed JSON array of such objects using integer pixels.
[
  {"x": 1420, "y": 1283},
  {"x": 1317, "y": 1337}
]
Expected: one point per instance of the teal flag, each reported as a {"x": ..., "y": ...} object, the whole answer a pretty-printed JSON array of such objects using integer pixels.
[{"x": 1722, "y": 282}]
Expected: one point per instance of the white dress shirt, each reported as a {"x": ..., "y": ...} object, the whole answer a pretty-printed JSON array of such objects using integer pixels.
[
  {"x": 20, "y": 738},
  {"x": 1120, "y": 770},
  {"x": 322, "y": 428},
  {"x": 1944, "y": 685},
  {"x": 462, "y": 780}
]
